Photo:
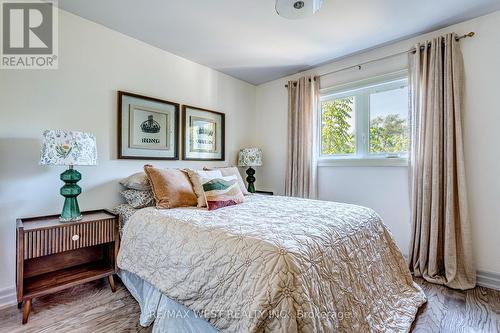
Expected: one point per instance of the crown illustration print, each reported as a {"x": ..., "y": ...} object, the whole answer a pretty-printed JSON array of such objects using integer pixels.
[{"x": 150, "y": 125}]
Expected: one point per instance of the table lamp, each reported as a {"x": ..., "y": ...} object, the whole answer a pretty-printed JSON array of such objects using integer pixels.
[
  {"x": 69, "y": 148},
  {"x": 250, "y": 157}
]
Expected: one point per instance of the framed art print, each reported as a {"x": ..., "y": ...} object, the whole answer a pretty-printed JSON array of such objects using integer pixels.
[
  {"x": 147, "y": 128},
  {"x": 202, "y": 134}
]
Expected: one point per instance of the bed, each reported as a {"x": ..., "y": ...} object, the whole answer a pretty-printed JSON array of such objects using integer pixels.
[{"x": 271, "y": 264}]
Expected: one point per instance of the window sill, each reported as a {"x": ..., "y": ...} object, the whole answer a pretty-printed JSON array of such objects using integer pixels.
[{"x": 363, "y": 162}]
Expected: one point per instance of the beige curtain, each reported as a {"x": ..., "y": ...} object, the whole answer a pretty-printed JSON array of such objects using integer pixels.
[
  {"x": 303, "y": 100},
  {"x": 440, "y": 247}
]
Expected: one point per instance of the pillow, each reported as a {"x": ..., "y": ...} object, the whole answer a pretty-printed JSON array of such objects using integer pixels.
[
  {"x": 171, "y": 187},
  {"x": 196, "y": 177},
  {"x": 232, "y": 171},
  {"x": 139, "y": 199},
  {"x": 125, "y": 212},
  {"x": 222, "y": 192},
  {"x": 137, "y": 181}
]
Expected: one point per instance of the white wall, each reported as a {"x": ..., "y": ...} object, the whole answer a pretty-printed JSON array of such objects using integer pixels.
[
  {"x": 81, "y": 95},
  {"x": 385, "y": 189}
]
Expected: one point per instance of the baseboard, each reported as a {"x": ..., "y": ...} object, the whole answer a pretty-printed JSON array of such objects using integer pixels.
[
  {"x": 488, "y": 280},
  {"x": 7, "y": 297}
]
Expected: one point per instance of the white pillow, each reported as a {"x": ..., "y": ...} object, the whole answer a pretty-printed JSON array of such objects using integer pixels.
[
  {"x": 232, "y": 171},
  {"x": 222, "y": 192},
  {"x": 137, "y": 181},
  {"x": 197, "y": 178}
]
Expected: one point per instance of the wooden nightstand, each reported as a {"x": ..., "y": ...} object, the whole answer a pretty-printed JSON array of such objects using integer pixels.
[
  {"x": 53, "y": 255},
  {"x": 264, "y": 192}
]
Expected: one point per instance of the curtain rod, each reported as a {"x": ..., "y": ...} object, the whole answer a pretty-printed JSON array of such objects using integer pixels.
[{"x": 412, "y": 50}]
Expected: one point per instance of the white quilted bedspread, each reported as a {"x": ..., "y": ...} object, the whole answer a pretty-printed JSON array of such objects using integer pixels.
[{"x": 276, "y": 264}]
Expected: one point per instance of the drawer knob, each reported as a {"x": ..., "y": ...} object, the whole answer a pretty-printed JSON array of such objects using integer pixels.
[{"x": 75, "y": 237}]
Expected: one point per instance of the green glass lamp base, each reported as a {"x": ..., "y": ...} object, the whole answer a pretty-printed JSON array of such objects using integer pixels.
[{"x": 70, "y": 190}]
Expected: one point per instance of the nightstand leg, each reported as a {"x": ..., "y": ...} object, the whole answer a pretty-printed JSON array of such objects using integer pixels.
[
  {"x": 111, "y": 281},
  {"x": 19, "y": 305},
  {"x": 26, "y": 310}
]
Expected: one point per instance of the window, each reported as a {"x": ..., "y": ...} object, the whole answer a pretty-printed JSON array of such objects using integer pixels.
[
  {"x": 338, "y": 119},
  {"x": 366, "y": 120}
]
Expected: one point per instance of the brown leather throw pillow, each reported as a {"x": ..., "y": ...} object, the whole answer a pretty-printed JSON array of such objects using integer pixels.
[{"x": 171, "y": 187}]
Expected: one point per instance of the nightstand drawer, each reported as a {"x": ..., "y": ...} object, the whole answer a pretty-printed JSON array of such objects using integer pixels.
[{"x": 47, "y": 241}]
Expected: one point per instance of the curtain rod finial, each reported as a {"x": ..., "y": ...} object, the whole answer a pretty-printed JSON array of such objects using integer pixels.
[{"x": 471, "y": 34}]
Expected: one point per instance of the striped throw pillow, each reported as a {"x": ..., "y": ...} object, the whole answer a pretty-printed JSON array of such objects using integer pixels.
[{"x": 222, "y": 192}]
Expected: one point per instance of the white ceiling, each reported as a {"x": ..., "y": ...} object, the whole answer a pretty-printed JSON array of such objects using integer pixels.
[{"x": 248, "y": 40}]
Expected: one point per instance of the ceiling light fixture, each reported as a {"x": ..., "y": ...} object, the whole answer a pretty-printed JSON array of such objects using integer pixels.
[{"x": 297, "y": 9}]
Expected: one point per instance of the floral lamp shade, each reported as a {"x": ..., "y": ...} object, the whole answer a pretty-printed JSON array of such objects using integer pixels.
[
  {"x": 62, "y": 147},
  {"x": 249, "y": 157}
]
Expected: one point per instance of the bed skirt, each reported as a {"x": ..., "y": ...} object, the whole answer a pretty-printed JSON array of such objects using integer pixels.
[{"x": 165, "y": 314}]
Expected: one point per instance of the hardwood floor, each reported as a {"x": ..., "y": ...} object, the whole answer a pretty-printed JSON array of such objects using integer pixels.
[
  {"x": 454, "y": 311},
  {"x": 92, "y": 307}
]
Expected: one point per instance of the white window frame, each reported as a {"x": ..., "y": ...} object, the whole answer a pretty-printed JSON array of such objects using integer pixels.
[{"x": 361, "y": 90}]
